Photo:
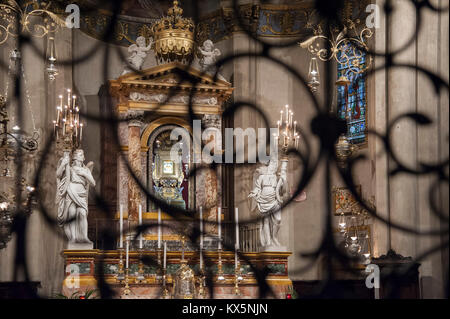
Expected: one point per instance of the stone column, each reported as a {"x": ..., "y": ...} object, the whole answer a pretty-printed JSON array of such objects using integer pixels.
[
  {"x": 402, "y": 99},
  {"x": 208, "y": 196},
  {"x": 134, "y": 159}
]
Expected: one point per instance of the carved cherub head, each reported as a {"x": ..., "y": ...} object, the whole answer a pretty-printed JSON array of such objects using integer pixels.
[
  {"x": 208, "y": 45},
  {"x": 140, "y": 41},
  {"x": 78, "y": 155}
]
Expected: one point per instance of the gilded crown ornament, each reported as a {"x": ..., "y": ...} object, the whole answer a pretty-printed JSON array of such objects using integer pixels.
[{"x": 174, "y": 37}]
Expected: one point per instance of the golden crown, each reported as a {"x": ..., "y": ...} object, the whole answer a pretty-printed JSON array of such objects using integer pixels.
[{"x": 173, "y": 36}]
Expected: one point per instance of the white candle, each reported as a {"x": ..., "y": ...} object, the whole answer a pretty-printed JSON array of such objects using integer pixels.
[
  {"x": 235, "y": 260},
  {"x": 219, "y": 228},
  {"x": 287, "y": 114},
  {"x": 236, "y": 220},
  {"x": 126, "y": 254},
  {"x": 165, "y": 255},
  {"x": 68, "y": 97},
  {"x": 58, "y": 112},
  {"x": 159, "y": 228},
  {"x": 201, "y": 228},
  {"x": 140, "y": 224},
  {"x": 121, "y": 226}
]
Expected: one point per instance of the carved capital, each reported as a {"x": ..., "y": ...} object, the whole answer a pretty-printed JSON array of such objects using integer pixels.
[
  {"x": 212, "y": 120},
  {"x": 135, "y": 118}
]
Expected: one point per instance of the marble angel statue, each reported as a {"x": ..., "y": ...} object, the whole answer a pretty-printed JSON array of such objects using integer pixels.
[
  {"x": 138, "y": 54},
  {"x": 268, "y": 196},
  {"x": 72, "y": 189}
]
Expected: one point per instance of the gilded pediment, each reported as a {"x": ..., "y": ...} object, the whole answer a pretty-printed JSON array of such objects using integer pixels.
[
  {"x": 170, "y": 74},
  {"x": 170, "y": 86}
]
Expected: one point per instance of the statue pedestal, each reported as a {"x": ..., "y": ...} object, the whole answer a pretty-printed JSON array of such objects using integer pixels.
[
  {"x": 80, "y": 246},
  {"x": 273, "y": 248}
]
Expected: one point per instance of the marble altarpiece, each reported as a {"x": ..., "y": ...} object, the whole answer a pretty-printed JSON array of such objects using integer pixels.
[{"x": 144, "y": 125}]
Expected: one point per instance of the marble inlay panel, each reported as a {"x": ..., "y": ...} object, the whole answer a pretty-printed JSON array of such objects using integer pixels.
[{"x": 134, "y": 158}]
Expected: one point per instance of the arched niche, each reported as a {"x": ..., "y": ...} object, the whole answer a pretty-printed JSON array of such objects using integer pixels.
[{"x": 157, "y": 131}]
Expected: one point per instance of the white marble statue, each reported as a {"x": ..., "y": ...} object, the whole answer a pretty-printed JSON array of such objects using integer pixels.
[
  {"x": 268, "y": 193},
  {"x": 72, "y": 189},
  {"x": 138, "y": 54},
  {"x": 209, "y": 54}
]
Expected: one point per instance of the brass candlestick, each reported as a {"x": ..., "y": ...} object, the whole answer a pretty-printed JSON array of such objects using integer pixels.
[
  {"x": 120, "y": 274},
  {"x": 140, "y": 277},
  {"x": 159, "y": 270},
  {"x": 237, "y": 279},
  {"x": 126, "y": 290},
  {"x": 220, "y": 276},
  {"x": 201, "y": 285},
  {"x": 165, "y": 292}
]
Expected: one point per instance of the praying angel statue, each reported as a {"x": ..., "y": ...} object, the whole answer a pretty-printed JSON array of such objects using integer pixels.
[
  {"x": 138, "y": 54},
  {"x": 268, "y": 196},
  {"x": 72, "y": 189}
]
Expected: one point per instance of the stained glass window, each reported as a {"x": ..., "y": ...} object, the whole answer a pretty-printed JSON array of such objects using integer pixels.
[{"x": 351, "y": 101}]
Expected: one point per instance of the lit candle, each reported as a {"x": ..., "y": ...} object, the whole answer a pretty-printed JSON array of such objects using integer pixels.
[
  {"x": 126, "y": 254},
  {"x": 159, "y": 228},
  {"x": 68, "y": 97},
  {"x": 165, "y": 255},
  {"x": 74, "y": 101},
  {"x": 140, "y": 224},
  {"x": 121, "y": 226},
  {"x": 219, "y": 228},
  {"x": 287, "y": 114},
  {"x": 81, "y": 131},
  {"x": 295, "y": 127},
  {"x": 58, "y": 113},
  {"x": 281, "y": 116}
]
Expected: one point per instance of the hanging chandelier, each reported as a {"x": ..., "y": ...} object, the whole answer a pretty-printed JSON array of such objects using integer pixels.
[
  {"x": 346, "y": 44},
  {"x": 32, "y": 18},
  {"x": 352, "y": 220},
  {"x": 9, "y": 206}
]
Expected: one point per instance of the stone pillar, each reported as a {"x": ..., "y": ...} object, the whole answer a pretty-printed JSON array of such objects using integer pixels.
[
  {"x": 134, "y": 159},
  {"x": 402, "y": 99},
  {"x": 208, "y": 197}
]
